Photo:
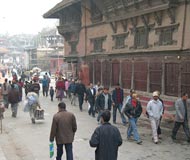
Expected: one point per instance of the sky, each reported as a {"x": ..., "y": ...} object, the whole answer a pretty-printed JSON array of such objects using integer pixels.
[{"x": 25, "y": 16}]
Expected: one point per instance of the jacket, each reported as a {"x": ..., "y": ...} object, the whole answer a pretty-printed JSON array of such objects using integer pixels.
[
  {"x": 13, "y": 96},
  {"x": 89, "y": 96},
  {"x": 180, "y": 110},
  {"x": 5, "y": 88},
  {"x": 155, "y": 108},
  {"x": 35, "y": 87},
  {"x": 114, "y": 95},
  {"x": 63, "y": 127},
  {"x": 72, "y": 87},
  {"x": 80, "y": 89},
  {"x": 131, "y": 111},
  {"x": 100, "y": 102},
  {"x": 106, "y": 138}
]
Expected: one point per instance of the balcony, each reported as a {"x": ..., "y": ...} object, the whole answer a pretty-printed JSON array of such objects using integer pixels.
[{"x": 69, "y": 27}]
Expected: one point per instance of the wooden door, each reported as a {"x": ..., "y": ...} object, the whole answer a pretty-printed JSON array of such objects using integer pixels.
[
  {"x": 126, "y": 74},
  {"x": 171, "y": 79},
  {"x": 97, "y": 74},
  {"x": 155, "y": 70},
  {"x": 106, "y": 72},
  {"x": 140, "y": 75},
  {"x": 115, "y": 72},
  {"x": 185, "y": 78}
]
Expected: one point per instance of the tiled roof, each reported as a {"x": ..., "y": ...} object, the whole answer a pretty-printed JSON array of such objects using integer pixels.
[{"x": 61, "y": 5}]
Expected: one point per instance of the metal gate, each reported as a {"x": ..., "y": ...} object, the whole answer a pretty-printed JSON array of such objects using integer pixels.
[{"x": 171, "y": 79}]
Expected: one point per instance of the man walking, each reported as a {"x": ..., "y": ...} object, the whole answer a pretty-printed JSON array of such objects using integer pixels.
[
  {"x": 155, "y": 110},
  {"x": 117, "y": 97},
  {"x": 13, "y": 99},
  {"x": 181, "y": 117},
  {"x": 90, "y": 97},
  {"x": 35, "y": 87},
  {"x": 4, "y": 91},
  {"x": 72, "y": 90},
  {"x": 103, "y": 102},
  {"x": 133, "y": 110},
  {"x": 63, "y": 130},
  {"x": 106, "y": 138},
  {"x": 81, "y": 91},
  {"x": 45, "y": 86}
]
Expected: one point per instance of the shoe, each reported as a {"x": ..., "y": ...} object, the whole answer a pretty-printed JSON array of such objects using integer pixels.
[
  {"x": 33, "y": 120},
  {"x": 139, "y": 142},
  {"x": 129, "y": 138},
  {"x": 173, "y": 137},
  {"x": 156, "y": 142},
  {"x": 124, "y": 124},
  {"x": 159, "y": 137},
  {"x": 188, "y": 140}
]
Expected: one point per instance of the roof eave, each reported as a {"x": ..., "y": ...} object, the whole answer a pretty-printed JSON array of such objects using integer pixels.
[{"x": 52, "y": 13}]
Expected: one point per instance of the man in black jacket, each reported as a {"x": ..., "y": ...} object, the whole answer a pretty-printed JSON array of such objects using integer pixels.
[
  {"x": 80, "y": 91},
  {"x": 103, "y": 102},
  {"x": 106, "y": 138},
  {"x": 90, "y": 97}
]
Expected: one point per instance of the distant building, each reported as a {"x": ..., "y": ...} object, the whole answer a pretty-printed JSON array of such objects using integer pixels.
[{"x": 142, "y": 44}]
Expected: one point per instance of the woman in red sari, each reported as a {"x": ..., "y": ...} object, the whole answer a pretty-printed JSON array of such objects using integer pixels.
[{"x": 60, "y": 88}]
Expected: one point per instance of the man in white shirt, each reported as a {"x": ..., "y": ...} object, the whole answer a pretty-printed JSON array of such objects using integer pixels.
[{"x": 154, "y": 110}]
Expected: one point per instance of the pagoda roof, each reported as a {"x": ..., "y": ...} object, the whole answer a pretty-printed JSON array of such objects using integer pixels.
[{"x": 52, "y": 13}]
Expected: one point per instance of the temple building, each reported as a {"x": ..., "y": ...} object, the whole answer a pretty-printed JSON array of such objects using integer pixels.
[{"x": 142, "y": 44}]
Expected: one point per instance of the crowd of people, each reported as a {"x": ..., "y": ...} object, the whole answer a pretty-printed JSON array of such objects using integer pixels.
[
  {"x": 100, "y": 104},
  {"x": 106, "y": 137}
]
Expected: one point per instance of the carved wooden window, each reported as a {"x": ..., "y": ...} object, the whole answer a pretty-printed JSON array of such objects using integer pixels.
[
  {"x": 96, "y": 15},
  {"x": 141, "y": 37},
  {"x": 98, "y": 44},
  {"x": 119, "y": 40},
  {"x": 166, "y": 35}
]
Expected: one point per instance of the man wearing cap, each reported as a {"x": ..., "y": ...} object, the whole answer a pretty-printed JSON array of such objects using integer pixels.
[
  {"x": 106, "y": 138},
  {"x": 181, "y": 117},
  {"x": 155, "y": 110},
  {"x": 63, "y": 130}
]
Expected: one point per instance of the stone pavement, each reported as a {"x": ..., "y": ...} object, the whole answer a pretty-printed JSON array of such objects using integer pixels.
[
  {"x": 2, "y": 156},
  {"x": 22, "y": 140}
]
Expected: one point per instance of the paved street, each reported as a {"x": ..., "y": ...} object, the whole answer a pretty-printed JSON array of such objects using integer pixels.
[{"x": 22, "y": 140}]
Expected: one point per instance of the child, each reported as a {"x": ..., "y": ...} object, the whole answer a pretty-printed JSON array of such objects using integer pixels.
[{"x": 51, "y": 93}]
